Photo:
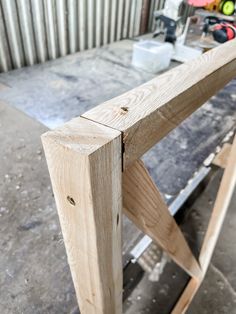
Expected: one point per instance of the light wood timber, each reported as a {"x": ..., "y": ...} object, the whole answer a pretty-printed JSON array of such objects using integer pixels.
[
  {"x": 144, "y": 205},
  {"x": 221, "y": 158},
  {"x": 149, "y": 112},
  {"x": 219, "y": 211},
  {"x": 84, "y": 160},
  {"x": 187, "y": 296}
]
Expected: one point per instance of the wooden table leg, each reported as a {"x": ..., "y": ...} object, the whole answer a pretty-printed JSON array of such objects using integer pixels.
[{"x": 84, "y": 160}]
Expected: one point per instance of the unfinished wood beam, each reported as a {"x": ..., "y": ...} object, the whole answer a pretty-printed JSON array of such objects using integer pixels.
[
  {"x": 221, "y": 205},
  {"x": 187, "y": 296},
  {"x": 221, "y": 159},
  {"x": 144, "y": 205},
  {"x": 84, "y": 161},
  {"x": 147, "y": 113}
]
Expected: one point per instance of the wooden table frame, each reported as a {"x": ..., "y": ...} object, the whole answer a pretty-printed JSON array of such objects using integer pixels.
[{"x": 96, "y": 174}]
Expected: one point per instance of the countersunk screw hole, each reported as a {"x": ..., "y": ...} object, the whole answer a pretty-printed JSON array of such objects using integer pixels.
[
  {"x": 71, "y": 200},
  {"x": 117, "y": 219},
  {"x": 125, "y": 109}
]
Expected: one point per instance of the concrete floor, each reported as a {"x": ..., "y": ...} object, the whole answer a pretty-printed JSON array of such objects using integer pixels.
[{"x": 34, "y": 275}]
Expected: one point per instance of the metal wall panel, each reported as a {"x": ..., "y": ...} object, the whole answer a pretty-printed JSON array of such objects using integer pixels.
[
  {"x": 51, "y": 28},
  {"x": 26, "y": 28},
  {"x": 82, "y": 24},
  {"x": 62, "y": 26},
  {"x": 5, "y": 58},
  {"x": 39, "y": 30},
  {"x": 120, "y": 14},
  {"x": 33, "y": 31},
  {"x": 99, "y": 20},
  {"x": 13, "y": 33},
  {"x": 106, "y": 21},
  {"x": 72, "y": 26}
]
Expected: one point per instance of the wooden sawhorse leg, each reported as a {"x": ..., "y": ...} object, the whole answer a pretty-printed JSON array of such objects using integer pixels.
[
  {"x": 144, "y": 205},
  {"x": 84, "y": 161},
  {"x": 219, "y": 211}
]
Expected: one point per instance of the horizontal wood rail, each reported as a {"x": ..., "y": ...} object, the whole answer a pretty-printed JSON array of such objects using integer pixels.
[
  {"x": 149, "y": 112},
  {"x": 86, "y": 158}
]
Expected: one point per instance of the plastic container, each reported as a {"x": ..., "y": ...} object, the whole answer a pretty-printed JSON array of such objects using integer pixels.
[
  {"x": 152, "y": 56},
  {"x": 184, "y": 53}
]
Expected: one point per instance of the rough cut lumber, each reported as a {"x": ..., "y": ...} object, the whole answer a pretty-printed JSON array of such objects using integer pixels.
[
  {"x": 221, "y": 158},
  {"x": 221, "y": 205},
  {"x": 187, "y": 296},
  {"x": 84, "y": 160},
  {"x": 144, "y": 205},
  {"x": 147, "y": 113}
]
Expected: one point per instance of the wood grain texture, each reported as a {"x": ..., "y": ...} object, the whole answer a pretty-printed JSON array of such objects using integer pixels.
[
  {"x": 147, "y": 113},
  {"x": 221, "y": 159},
  {"x": 144, "y": 205},
  {"x": 219, "y": 211},
  {"x": 187, "y": 296},
  {"x": 84, "y": 161}
]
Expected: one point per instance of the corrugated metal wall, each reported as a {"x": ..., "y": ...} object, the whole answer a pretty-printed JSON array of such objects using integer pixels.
[{"x": 33, "y": 31}]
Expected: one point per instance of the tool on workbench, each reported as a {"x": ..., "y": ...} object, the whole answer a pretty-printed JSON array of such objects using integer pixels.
[
  {"x": 222, "y": 30},
  {"x": 208, "y": 22},
  {"x": 226, "y": 7},
  {"x": 202, "y": 3},
  {"x": 174, "y": 31}
]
